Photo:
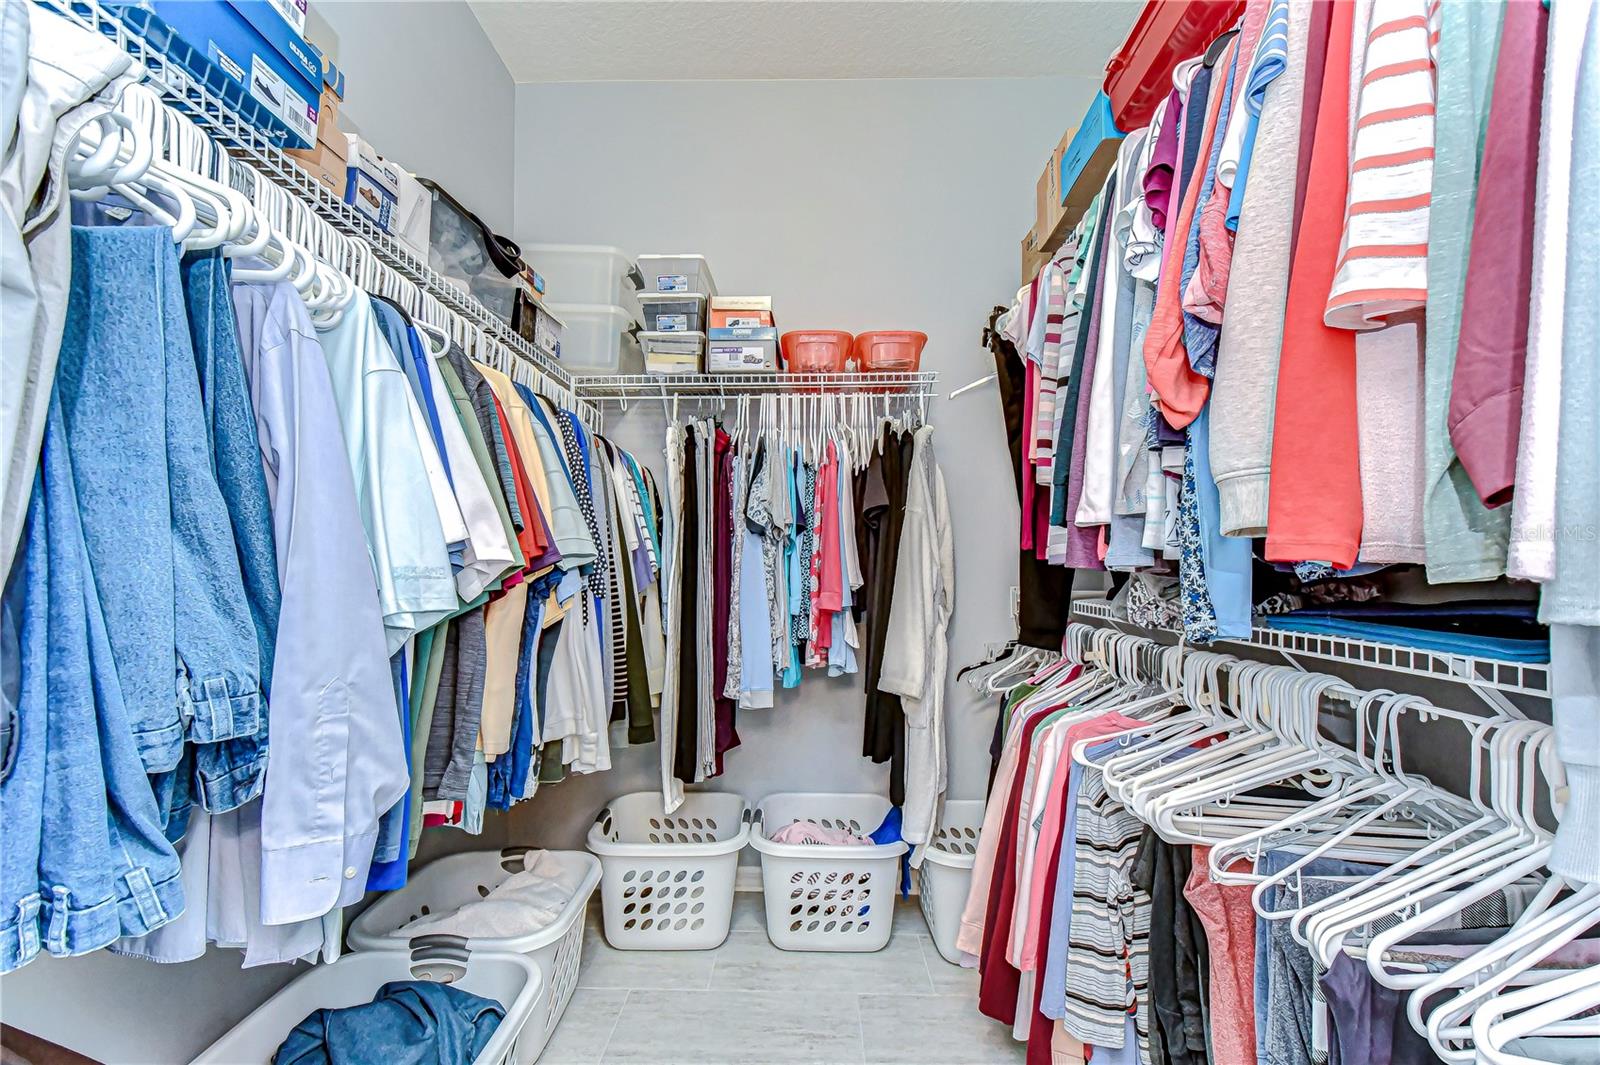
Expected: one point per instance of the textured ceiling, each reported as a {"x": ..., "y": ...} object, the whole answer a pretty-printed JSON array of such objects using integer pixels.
[{"x": 673, "y": 40}]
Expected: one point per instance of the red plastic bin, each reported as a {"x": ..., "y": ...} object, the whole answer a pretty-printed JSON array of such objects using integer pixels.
[
  {"x": 815, "y": 350},
  {"x": 1139, "y": 75},
  {"x": 889, "y": 351}
]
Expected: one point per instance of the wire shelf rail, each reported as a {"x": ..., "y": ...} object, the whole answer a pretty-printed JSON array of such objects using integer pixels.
[
  {"x": 1489, "y": 677},
  {"x": 600, "y": 387},
  {"x": 179, "y": 89}
]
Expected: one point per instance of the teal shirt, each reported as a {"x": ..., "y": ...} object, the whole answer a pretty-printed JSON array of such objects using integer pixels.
[{"x": 1465, "y": 541}]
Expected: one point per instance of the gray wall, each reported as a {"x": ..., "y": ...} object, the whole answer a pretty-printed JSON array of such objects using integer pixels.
[
  {"x": 857, "y": 205},
  {"x": 425, "y": 86},
  {"x": 428, "y": 89}
]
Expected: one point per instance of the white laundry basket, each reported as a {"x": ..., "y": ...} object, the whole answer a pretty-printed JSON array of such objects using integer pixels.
[
  {"x": 449, "y": 883},
  {"x": 510, "y": 979},
  {"x": 668, "y": 879},
  {"x": 945, "y": 875},
  {"x": 821, "y": 897}
]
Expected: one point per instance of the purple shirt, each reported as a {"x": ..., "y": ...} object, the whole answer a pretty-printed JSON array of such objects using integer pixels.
[{"x": 1163, "y": 157}]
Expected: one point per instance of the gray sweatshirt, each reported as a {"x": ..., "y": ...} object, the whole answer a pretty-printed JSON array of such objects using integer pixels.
[{"x": 1246, "y": 383}]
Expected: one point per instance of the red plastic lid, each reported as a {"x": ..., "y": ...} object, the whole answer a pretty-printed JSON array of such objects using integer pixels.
[{"x": 1139, "y": 75}]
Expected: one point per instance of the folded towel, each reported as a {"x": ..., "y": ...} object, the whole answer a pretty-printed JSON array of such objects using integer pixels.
[{"x": 527, "y": 902}]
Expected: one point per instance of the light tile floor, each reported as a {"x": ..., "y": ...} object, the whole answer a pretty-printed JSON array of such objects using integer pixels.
[{"x": 749, "y": 1003}]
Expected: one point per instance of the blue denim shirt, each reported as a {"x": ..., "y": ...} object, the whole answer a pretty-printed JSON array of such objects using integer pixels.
[{"x": 155, "y": 523}]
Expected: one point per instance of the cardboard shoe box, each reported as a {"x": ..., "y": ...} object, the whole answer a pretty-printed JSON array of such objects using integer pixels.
[
  {"x": 326, "y": 160},
  {"x": 734, "y": 312},
  {"x": 251, "y": 43}
]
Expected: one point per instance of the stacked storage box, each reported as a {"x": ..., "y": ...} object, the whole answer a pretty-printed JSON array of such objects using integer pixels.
[
  {"x": 743, "y": 337},
  {"x": 594, "y": 290},
  {"x": 674, "y": 297}
]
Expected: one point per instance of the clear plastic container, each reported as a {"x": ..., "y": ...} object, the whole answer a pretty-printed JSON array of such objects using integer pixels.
[
  {"x": 890, "y": 351},
  {"x": 816, "y": 350},
  {"x": 587, "y": 273},
  {"x": 673, "y": 312},
  {"x": 671, "y": 353},
  {"x": 676, "y": 273},
  {"x": 598, "y": 338}
]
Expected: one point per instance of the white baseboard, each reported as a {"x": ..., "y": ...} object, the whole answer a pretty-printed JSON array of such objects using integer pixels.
[{"x": 748, "y": 878}]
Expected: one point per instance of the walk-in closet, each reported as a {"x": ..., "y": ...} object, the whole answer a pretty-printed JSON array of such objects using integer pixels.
[{"x": 799, "y": 532}]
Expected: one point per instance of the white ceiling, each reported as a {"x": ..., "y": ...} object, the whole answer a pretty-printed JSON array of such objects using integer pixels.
[{"x": 686, "y": 40}]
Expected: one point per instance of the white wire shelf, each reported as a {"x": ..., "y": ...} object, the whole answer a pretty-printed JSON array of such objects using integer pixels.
[
  {"x": 247, "y": 143},
  {"x": 645, "y": 386},
  {"x": 1482, "y": 674}
]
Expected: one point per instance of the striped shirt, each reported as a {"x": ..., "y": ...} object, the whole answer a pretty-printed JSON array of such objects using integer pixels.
[
  {"x": 1383, "y": 254},
  {"x": 1108, "y": 936},
  {"x": 1053, "y": 288}
]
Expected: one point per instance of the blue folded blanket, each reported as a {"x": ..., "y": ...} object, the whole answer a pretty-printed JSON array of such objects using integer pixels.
[{"x": 1444, "y": 641}]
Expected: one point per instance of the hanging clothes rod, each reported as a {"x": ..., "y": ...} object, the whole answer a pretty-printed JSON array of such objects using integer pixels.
[
  {"x": 247, "y": 144},
  {"x": 618, "y": 387}
]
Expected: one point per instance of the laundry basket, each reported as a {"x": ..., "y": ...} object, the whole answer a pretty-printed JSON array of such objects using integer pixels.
[
  {"x": 824, "y": 897},
  {"x": 449, "y": 883},
  {"x": 668, "y": 878},
  {"x": 510, "y": 979},
  {"x": 945, "y": 875}
]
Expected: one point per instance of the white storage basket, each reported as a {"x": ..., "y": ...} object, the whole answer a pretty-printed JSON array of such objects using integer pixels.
[
  {"x": 827, "y": 898},
  {"x": 668, "y": 878},
  {"x": 448, "y": 884},
  {"x": 945, "y": 875},
  {"x": 510, "y": 979}
]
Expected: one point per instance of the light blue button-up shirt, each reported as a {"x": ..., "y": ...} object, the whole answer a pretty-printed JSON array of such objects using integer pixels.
[
  {"x": 338, "y": 757},
  {"x": 410, "y": 560}
]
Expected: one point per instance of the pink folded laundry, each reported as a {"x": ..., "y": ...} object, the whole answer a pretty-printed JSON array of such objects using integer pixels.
[{"x": 809, "y": 832}]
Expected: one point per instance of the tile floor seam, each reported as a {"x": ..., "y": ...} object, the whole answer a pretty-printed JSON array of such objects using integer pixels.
[
  {"x": 861, "y": 1027},
  {"x": 606, "y": 1046}
]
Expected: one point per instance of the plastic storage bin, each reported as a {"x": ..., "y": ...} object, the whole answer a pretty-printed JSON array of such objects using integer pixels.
[
  {"x": 588, "y": 273},
  {"x": 598, "y": 338},
  {"x": 668, "y": 878},
  {"x": 889, "y": 351},
  {"x": 673, "y": 312},
  {"x": 945, "y": 875},
  {"x": 353, "y": 980},
  {"x": 676, "y": 273},
  {"x": 670, "y": 353},
  {"x": 816, "y": 351},
  {"x": 827, "y": 898},
  {"x": 450, "y": 883}
]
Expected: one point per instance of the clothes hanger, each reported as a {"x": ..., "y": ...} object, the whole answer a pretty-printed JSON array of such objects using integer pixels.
[
  {"x": 1325, "y": 924},
  {"x": 1551, "y": 1008},
  {"x": 1471, "y": 885},
  {"x": 1345, "y": 837}
]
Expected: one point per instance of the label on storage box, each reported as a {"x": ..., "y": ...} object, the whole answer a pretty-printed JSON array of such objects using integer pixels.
[
  {"x": 672, "y": 323},
  {"x": 288, "y": 105},
  {"x": 229, "y": 67},
  {"x": 737, "y": 321},
  {"x": 672, "y": 283},
  {"x": 737, "y": 357}
]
